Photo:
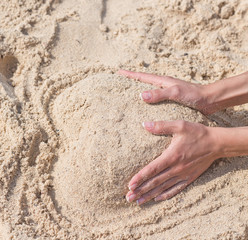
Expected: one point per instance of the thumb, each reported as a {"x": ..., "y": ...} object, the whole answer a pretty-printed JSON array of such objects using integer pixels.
[
  {"x": 162, "y": 94},
  {"x": 165, "y": 127}
]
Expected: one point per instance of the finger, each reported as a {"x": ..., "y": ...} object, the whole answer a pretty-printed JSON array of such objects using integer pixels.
[
  {"x": 165, "y": 127},
  {"x": 155, "y": 96},
  {"x": 172, "y": 191},
  {"x": 149, "y": 171},
  {"x": 157, "y": 191},
  {"x": 145, "y": 77},
  {"x": 150, "y": 184},
  {"x": 173, "y": 93}
]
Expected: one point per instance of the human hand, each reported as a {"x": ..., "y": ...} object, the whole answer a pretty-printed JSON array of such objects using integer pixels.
[
  {"x": 193, "y": 148},
  {"x": 189, "y": 94}
]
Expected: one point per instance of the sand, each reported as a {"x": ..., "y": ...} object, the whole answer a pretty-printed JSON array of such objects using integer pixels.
[
  {"x": 58, "y": 56},
  {"x": 103, "y": 144}
]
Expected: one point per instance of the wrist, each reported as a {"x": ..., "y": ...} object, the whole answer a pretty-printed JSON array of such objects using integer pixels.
[
  {"x": 226, "y": 93},
  {"x": 214, "y": 94},
  {"x": 218, "y": 148},
  {"x": 230, "y": 142},
  {"x": 208, "y": 102}
]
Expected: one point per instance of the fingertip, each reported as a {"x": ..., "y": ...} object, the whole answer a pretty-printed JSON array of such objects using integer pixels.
[
  {"x": 132, "y": 187},
  {"x": 159, "y": 198},
  {"x": 148, "y": 125},
  {"x": 129, "y": 197},
  {"x": 140, "y": 201},
  {"x": 121, "y": 72},
  {"x": 153, "y": 127},
  {"x": 146, "y": 96},
  {"x": 163, "y": 128},
  {"x": 127, "y": 73}
]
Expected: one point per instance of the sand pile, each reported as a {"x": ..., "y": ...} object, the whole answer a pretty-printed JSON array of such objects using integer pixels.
[
  {"x": 62, "y": 110},
  {"x": 103, "y": 143}
]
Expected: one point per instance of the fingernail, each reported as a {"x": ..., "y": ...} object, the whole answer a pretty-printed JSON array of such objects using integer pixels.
[
  {"x": 130, "y": 198},
  {"x": 149, "y": 125},
  {"x": 146, "y": 95},
  {"x": 140, "y": 201},
  {"x": 132, "y": 187},
  {"x": 156, "y": 199}
]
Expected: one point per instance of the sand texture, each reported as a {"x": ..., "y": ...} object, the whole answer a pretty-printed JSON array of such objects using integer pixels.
[
  {"x": 104, "y": 144},
  {"x": 71, "y": 134}
]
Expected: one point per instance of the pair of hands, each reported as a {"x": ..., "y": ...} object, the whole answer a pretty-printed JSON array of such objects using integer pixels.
[{"x": 193, "y": 148}]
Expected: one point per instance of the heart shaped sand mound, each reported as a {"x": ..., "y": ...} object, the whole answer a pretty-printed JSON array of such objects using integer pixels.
[{"x": 102, "y": 140}]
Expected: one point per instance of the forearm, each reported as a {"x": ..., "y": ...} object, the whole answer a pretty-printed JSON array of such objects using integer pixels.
[
  {"x": 227, "y": 93},
  {"x": 232, "y": 141}
]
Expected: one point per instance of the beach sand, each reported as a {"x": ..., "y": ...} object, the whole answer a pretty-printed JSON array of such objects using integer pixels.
[{"x": 71, "y": 134}]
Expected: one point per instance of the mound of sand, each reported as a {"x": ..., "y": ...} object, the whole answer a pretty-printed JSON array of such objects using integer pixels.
[{"x": 103, "y": 142}]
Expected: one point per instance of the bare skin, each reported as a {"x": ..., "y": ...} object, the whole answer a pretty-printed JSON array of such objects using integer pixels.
[{"x": 194, "y": 147}]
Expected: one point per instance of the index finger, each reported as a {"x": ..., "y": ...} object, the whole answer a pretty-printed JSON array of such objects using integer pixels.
[
  {"x": 144, "y": 77},
  {"x": 152, "y": 169}
]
